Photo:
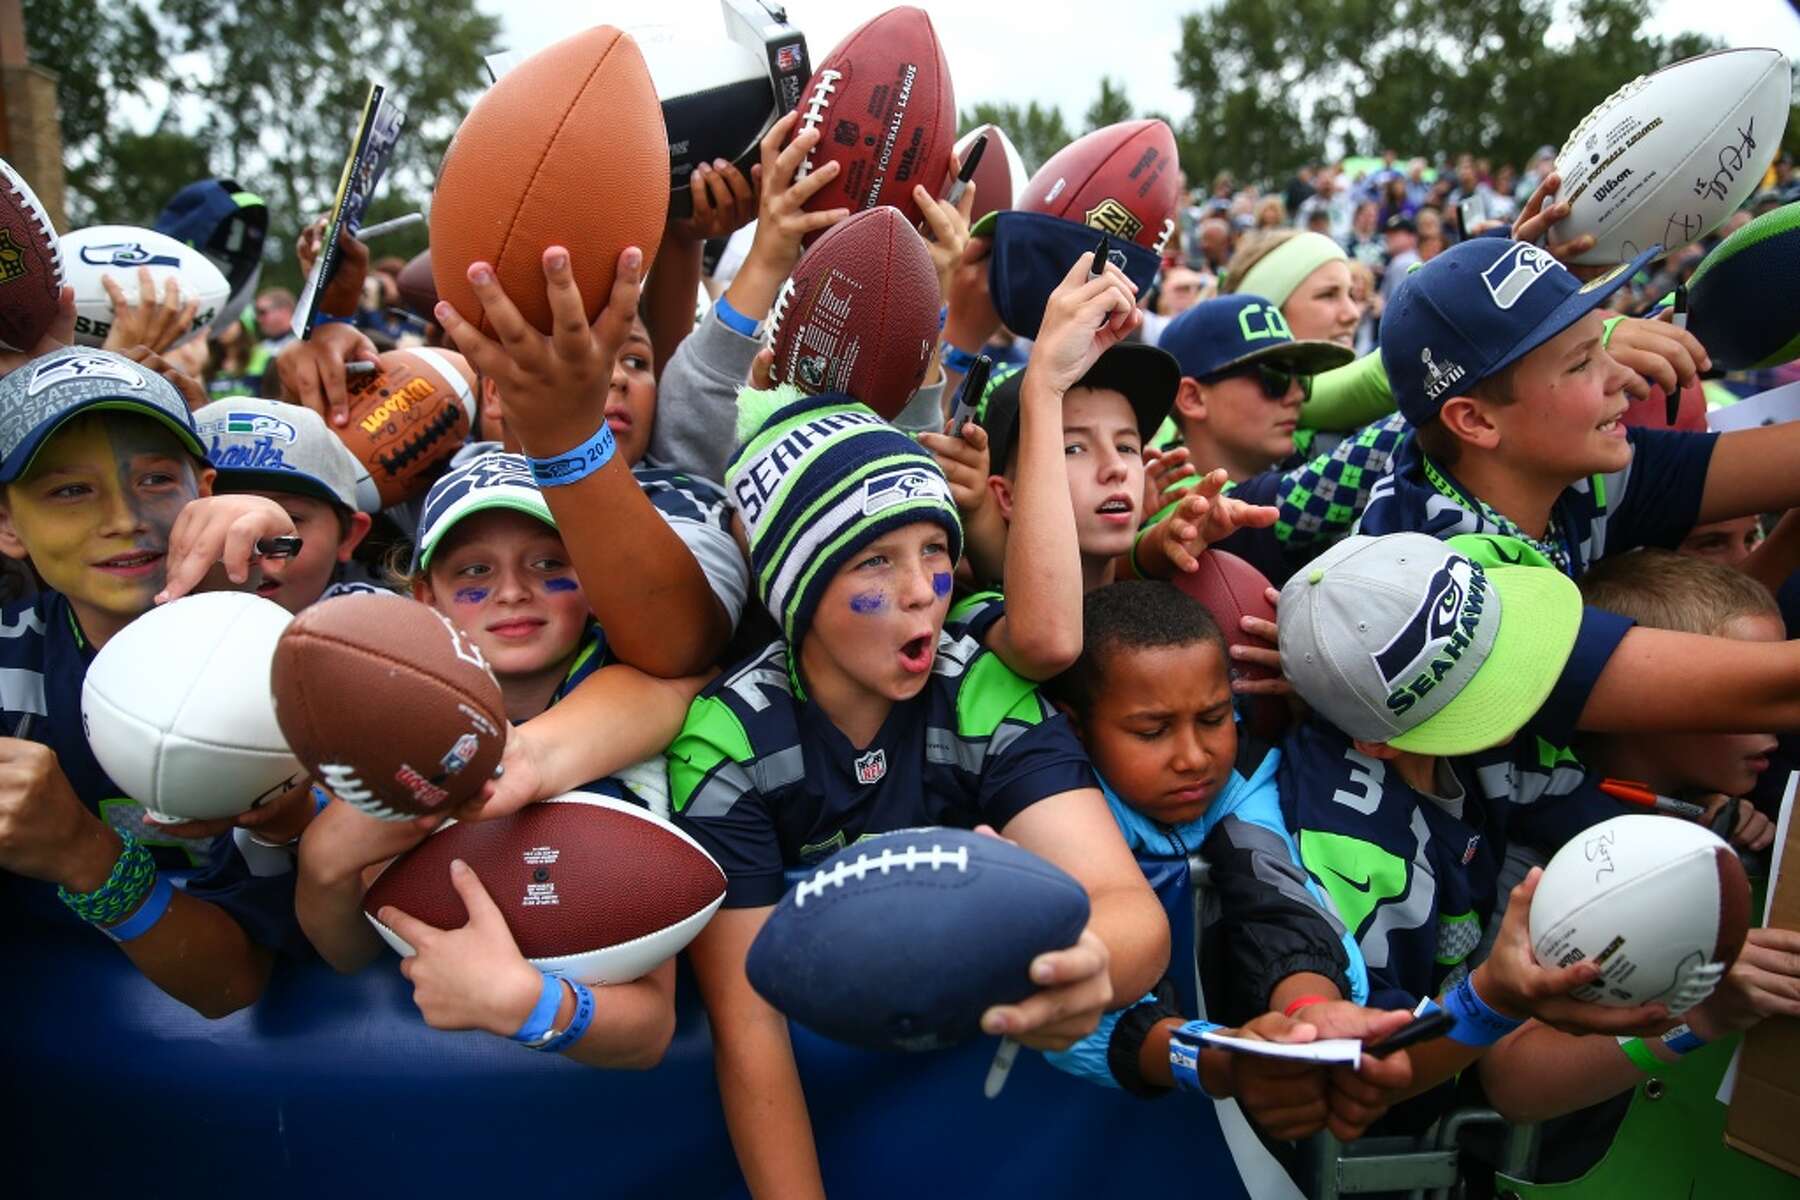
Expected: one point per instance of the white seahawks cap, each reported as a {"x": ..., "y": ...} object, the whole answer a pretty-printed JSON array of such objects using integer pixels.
[
  {"x": 1407, "y": 640},
  {"x": 266, "y": 445}
]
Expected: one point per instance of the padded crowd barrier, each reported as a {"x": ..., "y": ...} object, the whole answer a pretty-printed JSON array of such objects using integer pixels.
[{"x": 335, "y": 1082}]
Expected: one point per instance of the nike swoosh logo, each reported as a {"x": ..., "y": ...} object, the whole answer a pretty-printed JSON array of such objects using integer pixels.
[
  {"x": 1516, "y": 558},
  {"x": 1361, "y": 887}
]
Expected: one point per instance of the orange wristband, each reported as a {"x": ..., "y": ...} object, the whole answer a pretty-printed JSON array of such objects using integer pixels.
[{"x": 1296, "y": 1005}]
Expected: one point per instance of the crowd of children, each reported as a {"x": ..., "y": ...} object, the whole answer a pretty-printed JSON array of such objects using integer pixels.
[{"x": 786, "y": 624}]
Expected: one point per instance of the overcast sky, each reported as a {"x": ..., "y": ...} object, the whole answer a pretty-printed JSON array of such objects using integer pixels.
[{"x": 1054, "y": 51}]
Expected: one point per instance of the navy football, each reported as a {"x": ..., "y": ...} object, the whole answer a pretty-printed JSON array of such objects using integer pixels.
[{"x": 902, "y": 941}]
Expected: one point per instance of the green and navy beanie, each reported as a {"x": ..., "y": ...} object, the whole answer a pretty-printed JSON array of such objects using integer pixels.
[{"x": 816, "y": 479}]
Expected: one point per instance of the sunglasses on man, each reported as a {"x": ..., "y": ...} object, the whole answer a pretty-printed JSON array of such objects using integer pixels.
[{"x": 1275, "y": 382}]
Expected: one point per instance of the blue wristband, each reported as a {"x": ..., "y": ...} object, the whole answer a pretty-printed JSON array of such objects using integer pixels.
[
  {"x": 576, "y": 464},
  {"x": 1184, "y": 1054},
  {"x": 956, "y": 360},
  {"x": 541, "y": 1023},
  {"x": 584, "y": 1016},
  {"x": 331, "y": 319},
  {"x": 1476, "y": 1023},
  {"x": 734, "y": 320},
  {"x": 1682, "y": 1040},
  {"x": 152, "y": 910}
]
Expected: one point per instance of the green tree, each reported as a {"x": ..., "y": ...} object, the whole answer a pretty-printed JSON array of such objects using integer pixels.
[
  {"x": 1036, "y": 130},
  {"x": 1275, "y": 86},
  {"x": 266, "y": 92},
  {"x": 1110, "y": 107}
]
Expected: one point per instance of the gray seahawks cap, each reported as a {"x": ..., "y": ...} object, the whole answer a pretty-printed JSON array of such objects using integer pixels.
[
  {"x": 1407, "y": 640},
  {"x": 266, "y": 445},
  {"x": 38, "y": 397}
]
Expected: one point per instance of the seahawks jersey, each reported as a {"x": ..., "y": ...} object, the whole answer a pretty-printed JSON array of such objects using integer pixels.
[
  {"x": 765, "y": 782},
  {"x": 1412, "y": 876},
  {"x": 44, "y": 658},
  {"x": 1653, "y": 501}
]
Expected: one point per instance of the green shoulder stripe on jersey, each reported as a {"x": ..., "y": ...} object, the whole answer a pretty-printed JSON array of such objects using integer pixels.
[
  {"x": 1550, "y": 757},
  {"x": 990, "y": 694},
  {"x": 1357, "y": 875},
  {"x": 972, "y": 603},
  {"x": 712, "y": 735}
]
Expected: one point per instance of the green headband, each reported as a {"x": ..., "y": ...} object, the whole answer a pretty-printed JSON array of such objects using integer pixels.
[{"x": 1277, "y": 273}]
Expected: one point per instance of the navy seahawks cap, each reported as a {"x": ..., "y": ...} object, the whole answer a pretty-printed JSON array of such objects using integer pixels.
[
  {"x": 221, "y": 220},
  {"x": 488, "y": 481},
  {"x": 39, "y": 397},
  {"x": 1239, "y": 330},
  {"x": 1146, "y": 376},
  {"x": 1476, "y": 309}
]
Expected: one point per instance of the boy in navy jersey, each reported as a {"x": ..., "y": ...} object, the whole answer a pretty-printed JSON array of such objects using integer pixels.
[
  {"x": 107, "y": 494},
  {"x": 870, "y": 715}
]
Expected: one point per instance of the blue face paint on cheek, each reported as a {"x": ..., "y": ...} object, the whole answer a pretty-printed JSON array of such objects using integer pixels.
[
  {"x": 940, "y": 583},
  {"x": 868, "y": 602},
  {"x": 559, "y": 583},
  {"x": 471, "y": 595}
]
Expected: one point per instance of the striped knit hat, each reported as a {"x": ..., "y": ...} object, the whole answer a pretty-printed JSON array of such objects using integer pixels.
[{"x": 816, "y": 479}]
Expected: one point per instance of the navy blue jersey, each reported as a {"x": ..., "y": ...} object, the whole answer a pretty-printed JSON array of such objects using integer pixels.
[
  {"x": 1653, "y": 501},
  {"x": 44, "y": 658},
  {"x": 766, "y": 782}
]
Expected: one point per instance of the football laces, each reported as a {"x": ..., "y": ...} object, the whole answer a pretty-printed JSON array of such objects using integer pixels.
[
  {"x": 1693, "y": 984},
  {"x": 779, "y": 312},
  {"x": 816, "y": 104},
  {"x": 912, "y": 858}
]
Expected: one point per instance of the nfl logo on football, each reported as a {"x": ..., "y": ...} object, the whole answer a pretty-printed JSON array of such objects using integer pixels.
[
  {"x": 460, "y": 754},
  {"x": 871, "y": 767}
]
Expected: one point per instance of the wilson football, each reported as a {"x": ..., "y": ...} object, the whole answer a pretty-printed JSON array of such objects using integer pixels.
[
  {"x": 860, "y": 313},
  {"x": 119, "y": 250},
  {"x": 886, "y": 113},
  {"x": 592, "y": 888},
  {"x": 389, "y": 706},
  {"x": 1666, "y": 158},
  {"x": 1660, "y": 904},
  {"x": 31, "y": 265},
  {"x": 566, "y": 149},
  {"x": 1121, "y": 179},
  {"x": 1231, "y": 589},
  {"x": 406, "y": 421},
  {"x": 902, "y": 941}
]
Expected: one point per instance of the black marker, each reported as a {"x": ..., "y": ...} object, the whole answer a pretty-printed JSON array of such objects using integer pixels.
[
  {"x": 361, "y": 368},
  {"x": 968, "y": 396},
  {"x": 967, "y": 173},
  {"x": 285, "y": 546},
  {"x": 1433, "y": 1024},
  {"x": 1097, "y": 268}
]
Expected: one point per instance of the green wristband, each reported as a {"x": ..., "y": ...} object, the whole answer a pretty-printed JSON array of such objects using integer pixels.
[
  {"x": 132, "y": 877},
  {"x": 1639, "y": 1053},
  {"x": 1607, "y": 327}
]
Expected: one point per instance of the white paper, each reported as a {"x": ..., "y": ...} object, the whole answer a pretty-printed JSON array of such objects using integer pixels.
[
  {"x": 1728, "y": 1082},
  {"x": 1774, "y": 407},
  {"x": 1327, "y": 1050}
]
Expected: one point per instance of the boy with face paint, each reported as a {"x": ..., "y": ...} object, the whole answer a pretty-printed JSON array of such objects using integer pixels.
[
  {"x": 288, "y": 455},
  {"x": 108, "y": 496},
  {"x": 872, "y": 714},
  {"x": 489, "y": 558}
]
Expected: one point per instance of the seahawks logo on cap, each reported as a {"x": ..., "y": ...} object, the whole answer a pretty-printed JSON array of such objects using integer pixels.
[
  {"x": 1520, "y": 267},
  {"x": 85, "y": 366},
  {"x": 249, "y": 424},
  {"x": 1431, "y": 642},
  {"x": 902, "y": 486}
]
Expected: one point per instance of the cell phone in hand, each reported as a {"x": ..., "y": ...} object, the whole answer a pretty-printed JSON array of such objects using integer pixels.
[
  {"x": 1434, "y": 1024},
  {"x": 1469, "y": 214}
]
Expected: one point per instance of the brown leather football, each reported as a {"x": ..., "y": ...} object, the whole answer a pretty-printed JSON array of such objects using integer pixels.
[
  {"x": 1231, "y": 589},
  {"x": 566, "y": 149},
  {"x": 388, "y": 705},
  {"x": 593, "y": 888},
  {"x": 418, "y": 291},
  {"x": 31, "y": 265},
  {"x": 407, "y": 420}
]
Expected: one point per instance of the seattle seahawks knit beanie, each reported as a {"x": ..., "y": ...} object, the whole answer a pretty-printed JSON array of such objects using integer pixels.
[{"x": 816, "y": 479}]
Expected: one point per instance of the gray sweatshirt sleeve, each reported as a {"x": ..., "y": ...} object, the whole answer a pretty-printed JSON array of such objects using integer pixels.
[{"x": 696, "y": 399}]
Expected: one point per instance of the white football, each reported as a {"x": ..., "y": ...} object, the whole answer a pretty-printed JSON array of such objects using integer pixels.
[
  {"x": 1666, "y": 158},
  {"x": 1661, "y": 905},
  {"x": 119, "y": 250},
  {"x": 178, "y": 708}
]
